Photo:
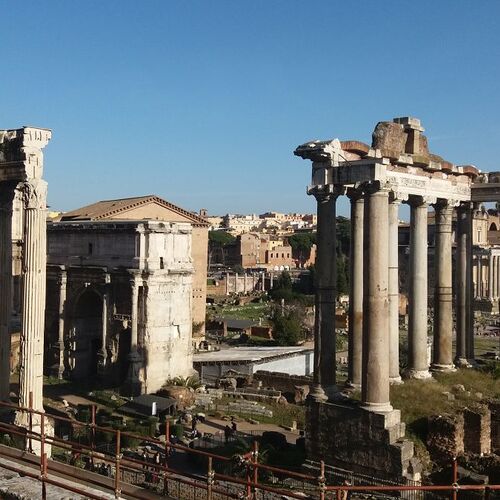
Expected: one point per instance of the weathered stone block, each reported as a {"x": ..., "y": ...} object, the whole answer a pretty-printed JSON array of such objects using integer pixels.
[
  {"x": 494, "y": 406},
  {"x": 477, "y": 429},
  {"x": 362, "y": 441},
  {"x": 445, "y": 437},
  {"x": 390, "y": 138}
]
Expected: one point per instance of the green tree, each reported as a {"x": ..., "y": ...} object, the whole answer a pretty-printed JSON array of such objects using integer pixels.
[
  {"x": 221, "y": 238},
  {"x": 342, "y": 275},
  {"x": 287, "y": 327}
]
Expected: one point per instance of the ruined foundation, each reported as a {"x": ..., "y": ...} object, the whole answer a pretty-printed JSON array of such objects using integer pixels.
[{"x": 359, "y": 440}]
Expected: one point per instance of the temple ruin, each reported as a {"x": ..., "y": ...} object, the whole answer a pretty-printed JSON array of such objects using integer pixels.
[
  {"x": 21, "y": 170},
  {"x": 368, "y": 436}
]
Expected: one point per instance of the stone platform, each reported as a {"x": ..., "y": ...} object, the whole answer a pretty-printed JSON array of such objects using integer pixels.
[{"x": 347, "y": 436}]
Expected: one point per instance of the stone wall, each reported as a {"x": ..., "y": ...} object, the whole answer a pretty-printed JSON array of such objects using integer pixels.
[
  {"x": 279, "y": 381},
  {"x": 445, "y": 437}
]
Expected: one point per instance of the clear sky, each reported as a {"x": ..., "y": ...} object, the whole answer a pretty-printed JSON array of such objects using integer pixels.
[{"x": 203, "y": 102}]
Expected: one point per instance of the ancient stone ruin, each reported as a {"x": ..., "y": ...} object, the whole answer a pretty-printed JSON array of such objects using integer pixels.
[
  {"x": 21, "y": 170},
  {"x": 397, "y": 168}
]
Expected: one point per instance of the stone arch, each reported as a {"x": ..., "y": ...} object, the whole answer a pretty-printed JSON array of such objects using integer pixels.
[
  {"x": 85, "y": 334},
  {"x": 493, "y": 227}
]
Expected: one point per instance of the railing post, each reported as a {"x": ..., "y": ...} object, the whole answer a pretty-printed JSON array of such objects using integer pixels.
[
  {"x": 255, "y": 461},
  {"x": 117, "y": 465},
  {"x": 30, "y": 421},
  {"x": 210, "y": 479},
  {"x": 455, "y": 479},
  {"x": 43, "y": 455},
  {"x": 92, "y": 435},
  {"x": 167, "y": 451},
  {"x": 322, "y": 481}
]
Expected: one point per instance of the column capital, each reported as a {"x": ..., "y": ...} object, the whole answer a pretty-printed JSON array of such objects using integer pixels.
[
  {"x": 420, "y": 201},
  {"x": 445, "y": 203},
  {"x": 326, "y": 193},
  {"x": 34, "y": 193},
  {"x": 397, "y": 197},
  {"x": 355, "y": 193}
]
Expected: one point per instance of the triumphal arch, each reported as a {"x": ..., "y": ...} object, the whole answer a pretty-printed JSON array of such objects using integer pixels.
[
  {"x": 396, "y": 168},
  {"x": 21, "y": 170}
]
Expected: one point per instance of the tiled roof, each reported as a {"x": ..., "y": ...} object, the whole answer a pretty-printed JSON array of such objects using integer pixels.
[{"x": 111, "y": 208}]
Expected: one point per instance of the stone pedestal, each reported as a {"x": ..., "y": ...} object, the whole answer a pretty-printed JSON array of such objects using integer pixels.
[
  {"x": 356, "y": 292},
  {"x": 352, "y": 438},
  {"x": 442, "y": 359},
  {"x": 418, "y": 365},
  {"x": 375, "y": 379}
]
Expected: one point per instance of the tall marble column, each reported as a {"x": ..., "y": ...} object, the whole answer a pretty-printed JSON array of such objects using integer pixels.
[
  {"x": 394, "y": 376},
  {"x": 418, "y": 365},
  {"x": 33, "y": 283},
  {"x": 375, "y": 377},
  {"x": 490, "y": 276},
  {"x": 442, "y": 358},
  {"x": 7, "y": 191},
  {"x": 355, "y": 333},
  {"x": 470, "y": 297},
  {"x": 324, "y": 378},
  {"x": 462, "y": 295},
  {"x": 133, "y": 383},
  {"x": 62, "y": 281}
]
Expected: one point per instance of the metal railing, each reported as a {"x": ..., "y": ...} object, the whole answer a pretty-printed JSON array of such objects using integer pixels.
[{"x": 241, "y": 476}]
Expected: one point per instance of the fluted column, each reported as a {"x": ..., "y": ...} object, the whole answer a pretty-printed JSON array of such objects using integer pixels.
[
  {"x": 63, "y": 279},
  {"x": 418, "y": 365},
  {"x": 355, "y": 333},
  {"x": 462, "y": 295},
  {"x": 33, "y": 283},
  {"x": 324, "y": 378},
  {"x": 442, "y": 356},
  {"x": 394, "y": 376},
  {"x": 133, "y": 383},
  {"x": 7, "y": 191},
  {"x": 375, "y": 378}
]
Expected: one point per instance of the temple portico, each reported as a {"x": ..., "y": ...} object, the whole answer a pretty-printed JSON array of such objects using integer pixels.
[{"x": 397, "y": 168}]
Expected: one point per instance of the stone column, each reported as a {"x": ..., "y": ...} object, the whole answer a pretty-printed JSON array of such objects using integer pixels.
[
  {"x": 7, "y": 191},
  {"x": 103, "y": 353},
  {"x": 479, "y": 274},
  {"x": 63, "y": 279},
  {"x": 326, "y": 280},
  {"x": 394, "y": 376},
  {"x": 470, "y": 297},
  {"x": 355, "y": 333},
  {"x": 33, "y": 283},
  {"x": 418, "y": 365},
  {"x": 490, "y": 276},
  {"x": 442, "y": 359},
  {"x": 462, "y": 295},
  {"x": 375, "y": 378},
  {"x": 133, "y": 383}
]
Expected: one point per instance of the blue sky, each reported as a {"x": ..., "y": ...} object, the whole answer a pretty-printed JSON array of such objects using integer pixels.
[{"x": 203, "y": 102}]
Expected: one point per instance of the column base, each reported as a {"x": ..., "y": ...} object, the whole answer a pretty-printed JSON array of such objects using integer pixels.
[
  {"x": 352, "y": 385},
  {"x": 57, "y": 371},
  {"x": 462, "y": 363},
  {"x": 418, "y": 374},
  {"x": 442, "y": 368},
  {"x": 396, "y": 380},
  {"x": 377, "y": 407},
  {"x": 317, "y": 394}
]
